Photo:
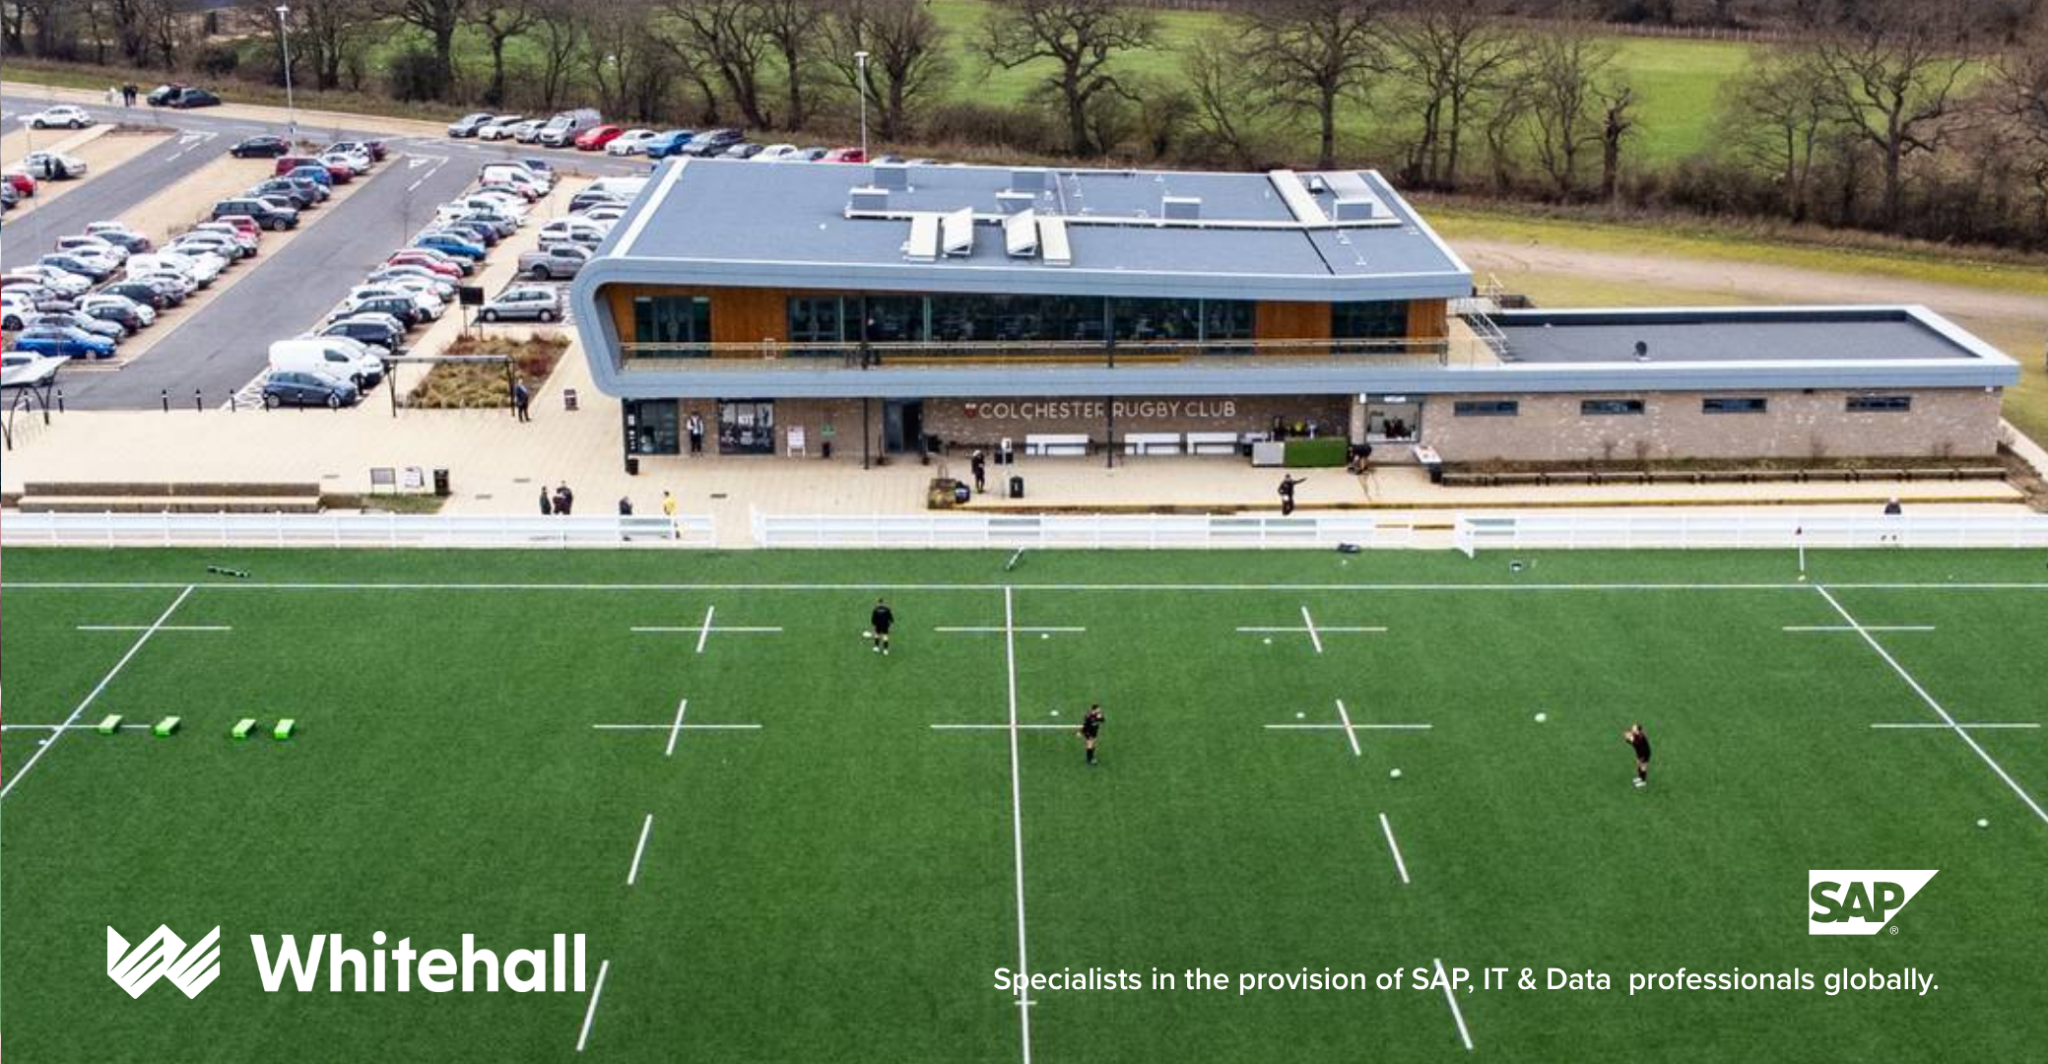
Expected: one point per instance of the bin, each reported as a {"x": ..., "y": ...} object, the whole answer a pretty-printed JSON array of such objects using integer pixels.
[
  {"x": 632, "y": 465},
  {"x": 441, "y": 483},
  {"x": 1016, "y": 487}
]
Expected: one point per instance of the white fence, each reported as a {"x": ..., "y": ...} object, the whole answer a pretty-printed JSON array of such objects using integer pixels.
[
  {"x": 1688, "y": 531},
  {"x": 350, "y": 530},
  {"x": 1090, "y": 531}
]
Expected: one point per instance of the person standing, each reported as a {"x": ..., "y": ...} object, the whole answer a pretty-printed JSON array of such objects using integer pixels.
[
  {"x": 564, "y": 499},
  {"x": 979, "y": 464},
  {"x": 625, "y": 506},
  {"x": 668, "y": 510},
  {"x": 522, "y": 400},
  {"x": 547, "y": 503},
  {"x": 1894, "y": 515},
  {"x": 1287, "y": 486},
  {"x": 1638, "y": 740},
  {"x": 1091, "y": 730},
  {"x": 694, "y": 425},
  {"x": 879, "y": 622}
]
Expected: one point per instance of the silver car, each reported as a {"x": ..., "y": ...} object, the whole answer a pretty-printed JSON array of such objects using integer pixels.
[{"x": 527, "y": 302}]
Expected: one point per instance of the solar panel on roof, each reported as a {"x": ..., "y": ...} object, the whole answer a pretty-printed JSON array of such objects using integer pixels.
[
  {"x": 956, "y": 232},
  {"x": 923, "y": 245},
  {"x": 1020, "y": 234},
  {"x": 1052, "y": 241}
]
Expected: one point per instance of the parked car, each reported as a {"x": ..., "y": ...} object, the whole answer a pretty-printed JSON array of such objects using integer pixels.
[
  {"x": 451, "y": 244},
  {"x": 264, "y": 211},
  {"x": 288, "y": 163},
  {"x": 531, "y": 183},
  {"x": 261, "y": 146},
  {"x": 63, "y": 341},
  {"x": 525, "y": 303},
  {"x": 589, "y": 198},
  {"x": 845, "y": 155},
  {"x": 305, "y": 388},
  {"x": 116, "y": 307},
  {"x": 667, "y": 143},
  {"x": 140, "y": 291},
  {"x": 8, "y": 197},
  {"x": 93, "y": 267},
  {"x": 775, "y": 153},
  {"x": 77, "y": 319},
  {"x": 741, "y": 150},
  {"x": 20, "y": 182},
  {"x": 70, "y": 284},
  {"x": 242, "y": 231},
  {"x": 526, "y": 193},
  {"x": 470, "y": 124},
  {"x": 574, "y": 230},
  {"x": 53, "y": 165},
  {"x": 529, "y": 131},
  {"x": 810, "y": 155},
  {"x": 454, "y": 269},
  {"x": 499, "y": 127},
  {"x": 93, "y": 245},
  {"x": 416, "y": 277},
  {"x": 499, "y": 224},
  {"x": 183, "y": 97},
  {"x": 286, "y": 189},
  {"x": 118, "y": 233},
  {"x": 339, "y": 169},
  {"x": 358, "y": 158},
  {"x": 426, "y": 307},
  {"x": 334, "y": 356},
  {"x": 607, "y": 211},
  {"x": 227, "y": 247},
  {"x": 242, "y": 223},
  {"x": 562, "y": 130},
  {"x": 540, "y": 166},
  {"x": 477, "y": 233},
  {"x": 596, "y": 137},
  {"x": 380, "y": 330},
  {"x": 403, "y": 306},
  {"x": 375, "y": 149},
  {"x": 560, "y": 262},
  {"x": 711, "y": 142},
  {"x": 201, "y": 268},
  {"x": 631, "y": 142},
  {"x": 63, "y": 114}
]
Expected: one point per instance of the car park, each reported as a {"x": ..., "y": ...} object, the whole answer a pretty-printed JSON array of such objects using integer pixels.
[
  {"x": 63, "y": 115},
  {"x": 308, "y": 389},
  {"x": 500, "y": 127},
  {"x": 597, "y": 137},
  {"x": 261, "y": 146},
  {"x": 53, "y": 165},
  {"x": 61, "y": 341},
  {"x": 470, "y": 124},
  {"x": 525, "y": 303},
  {"x": 557, "y": 263},
  {"x": 378, "y": 330},
  {"x": 264, "y": 211},
  {"x": 335, "y": 356}
]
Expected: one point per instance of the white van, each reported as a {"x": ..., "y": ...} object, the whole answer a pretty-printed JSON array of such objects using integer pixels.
[
  {"x": 626, "y": 188},
  {"x": 563, "y": 129},
  {"x": 336, "y": 356},
  {"x": 515, "y": 174}
]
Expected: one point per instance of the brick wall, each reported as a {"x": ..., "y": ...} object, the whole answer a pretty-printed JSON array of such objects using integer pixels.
[
  {"x": 982, "y": 422},
  {"x": 1958, "y": 422}
]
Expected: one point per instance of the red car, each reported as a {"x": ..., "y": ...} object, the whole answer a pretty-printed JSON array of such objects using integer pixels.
[
  {"x": 596, "y": 137},
  {"x": 287, "y": 163},
  {"x": 407, "y": 258},
  {"x": 845, "y": 155},
  {"x": 24, "y": 185},
  {"x": 243, "y": 224}
]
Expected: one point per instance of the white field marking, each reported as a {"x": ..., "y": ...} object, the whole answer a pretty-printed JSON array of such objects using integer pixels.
[
  {"x": 1961, "y": 732},
  {"x": 1354, "y": 727},
  {"x": 22, "y": 772},
  {"x": 423, "y": 178},
  {"x": 1395, "y": 847},
  {"x": 1870, "y": 628},
  {"x": 590, "y": 1013},
  {"x": 703, "y": 637},
  {"x": 1310, "y": 623},
  {"x": 1464, "y": 1035},
  {"x": 633, "y": 873},
  {"x": 67, "y": 727},
  {"x": 991, "y": 628},
  {"x": 1002, "y": 727},
  {"x": 1957, "y": 727},
  {"x": 165, "y": 628},
  {"x": 1016, "y": 808},
  {"x": 85, "y": 585},
  {"x": 671, "y": 727},
  {"x": 1326, "y": 629},
  {"x": 675, "y": 730},
  {"x": 1350, "y": 733}
]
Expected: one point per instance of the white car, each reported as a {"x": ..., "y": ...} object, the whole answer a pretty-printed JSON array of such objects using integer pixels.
[
  {"x": 60, "y": 115},
  {"x": 113, "y": 232},
  {"x": 574, "y": 230},
  {"x": 143, "y": 311},
  {"x": 491, "y": 201},
  {"x": 47, "y": 164},
  {"x": 201, "y": 267},
  {"x": 775, "y": 153},
  {"x": 196, "y": 242},
  {"x": 355, "y": 164},
  {"x": 501, "y": 128},
  {"x": 92, "y": 245},
  {"x": 50, "y": 277},
  {"x": 429, "y": 305},
  {"x": 631, "y": 142}
]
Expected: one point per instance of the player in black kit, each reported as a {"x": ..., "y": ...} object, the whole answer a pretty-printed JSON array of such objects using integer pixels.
[
  {"x": 1637, "y": 739},
  {"x": 1091, "y": 729},
  {"x": 879, "y": 623}
]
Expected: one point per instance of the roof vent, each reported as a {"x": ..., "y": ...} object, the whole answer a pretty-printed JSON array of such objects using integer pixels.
[
  {"x": 1020, "y": 235},
  {"x": 1180, "y": 208},
  {"x": 923, "y": 245},
  {"x": 1013, "y": 202},
  {"x": 956, "y": 232},
  {"x": 1052, "y": 241},
  {"x": 1642, "y": 351},
  {"x": 868, "y": 199},
  {"x": 891, "y": 175},
  {"x": 1027, "y": 179},
  {"x": 1356, "y": 209}
]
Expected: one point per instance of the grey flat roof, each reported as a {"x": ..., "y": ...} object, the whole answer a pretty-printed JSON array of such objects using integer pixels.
[
  {"x": 1754, "y": 335},
  {"x": 741, "y": 223}
]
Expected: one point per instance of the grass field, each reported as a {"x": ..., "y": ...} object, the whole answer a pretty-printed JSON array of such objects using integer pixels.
[{"x": 842, "y": 882}]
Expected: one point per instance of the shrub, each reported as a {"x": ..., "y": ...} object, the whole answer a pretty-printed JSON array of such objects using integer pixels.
[{"x": 471, "y": 385}]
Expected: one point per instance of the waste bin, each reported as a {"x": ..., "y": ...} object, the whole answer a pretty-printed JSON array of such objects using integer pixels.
[
  {"x": 1016, "y": 487},
  {"x": 441, "y": 483},
  {"x": 632, "y": 465}
]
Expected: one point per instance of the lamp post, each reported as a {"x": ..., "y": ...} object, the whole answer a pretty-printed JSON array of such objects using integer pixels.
[
  {"x": 284, "y": 43},
  {"x": 860, "y": 60}
]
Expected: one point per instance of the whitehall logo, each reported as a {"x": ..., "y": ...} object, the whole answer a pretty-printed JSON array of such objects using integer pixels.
[
  {"x": 1859, "y": 901},
  {"x": 163, "y": 955}
]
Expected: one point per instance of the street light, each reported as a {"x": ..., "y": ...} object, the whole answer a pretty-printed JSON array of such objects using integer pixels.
[
  {"x": 284, "y": 42},
  {"x": 861, "y": 60}
]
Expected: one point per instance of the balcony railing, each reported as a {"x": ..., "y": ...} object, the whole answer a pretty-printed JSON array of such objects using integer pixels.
[{"x": 1053, "y": 354}]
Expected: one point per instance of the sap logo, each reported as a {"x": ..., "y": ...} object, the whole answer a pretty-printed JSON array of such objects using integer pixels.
[
  {"x": 163, "y": 956},
  {"x": 1859, "y": 901}
]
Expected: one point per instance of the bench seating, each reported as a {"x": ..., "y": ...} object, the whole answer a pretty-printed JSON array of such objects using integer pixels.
[
  {"x": 144, "y": 504},
  {"x": 1056, "y": 445},
  {"x": 1213, "y": 443},
  {"x": 1152, "y": 443}
]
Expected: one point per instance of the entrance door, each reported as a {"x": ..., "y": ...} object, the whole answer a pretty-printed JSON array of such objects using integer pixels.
[
  {"x": 902, "y": 425},
  {"x": 651, "y": 426},
  {"x": 746, "y": 426}
]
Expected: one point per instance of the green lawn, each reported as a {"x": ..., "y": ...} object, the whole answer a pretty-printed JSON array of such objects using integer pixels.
[{"x": 842, "y": 883}]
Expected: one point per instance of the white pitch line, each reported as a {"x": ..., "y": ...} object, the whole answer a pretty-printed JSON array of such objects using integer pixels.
[
  {"x": 1961, "y": 733},
  {"x": 1323, "y": 628},
  {"x": 675, "y": 730},
  {"x": 692, "y": 629},
  {"x": 1868, "y": 628},
  {"x": 1357, "y": 727},
  {"x": 1349, "y": 732},
  {"x": 1464, "y": 1035},
  {"x": 633, "y": 873},
  {"x": 993, "y": 629},
  {"x": 590, "y": 1013},
  {"x": 1955, "y": 727},
  {"x": 1400, "y": 865},
  {"x": 1310, "y": 623},
  {"x": 166, "y": 585},
  {"x": 671, "y": 727},
  {"x": 95, "y": 693},
  {"x": 67, "y": 727},
  {"x": 1002, "y": 727},
  {"x": 1017, "y": 809},
  {"x": 165, "y": 628},
  {"x": 704, "y": 636}
]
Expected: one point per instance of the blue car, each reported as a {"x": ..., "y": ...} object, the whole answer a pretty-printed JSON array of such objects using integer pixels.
[
  {"x": 63, "y": 341},
  {"x": 309, "y": 172},
  {"x": 450, "y": 244},
  {"x": 669, "y": 143}
]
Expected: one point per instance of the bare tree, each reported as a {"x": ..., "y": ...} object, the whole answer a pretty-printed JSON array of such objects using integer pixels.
[
  {"x": 500, "y": 21},
  {"x": 791, "y": 26},
  {"x": 558, "y": 26},
  {"x": 439, "y": 19},
  {"x": 324, "y": 34},
  {"x": 1231, "y": 110},
  {"x": 907, "y": 60},
  {"x": 1892, "y": 73},
  {"x": 1567, "y": 66},
  {"x": 1080, "y": 38},
  {"x": 725, "y": 38},
  {"x": 2021, "y": 98},
  {"x": 1451, "y": 55},
  {"x": 1776, "y": 119},
  {"x": 1313, "y": 55},
  {"x": 1617, "y": 125}
]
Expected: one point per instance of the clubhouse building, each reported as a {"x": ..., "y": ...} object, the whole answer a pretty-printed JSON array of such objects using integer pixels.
[{"x": 855, "y": 311}]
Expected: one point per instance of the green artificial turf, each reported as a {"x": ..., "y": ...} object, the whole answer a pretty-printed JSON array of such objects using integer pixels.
[{"x": 842, "y": 883}]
